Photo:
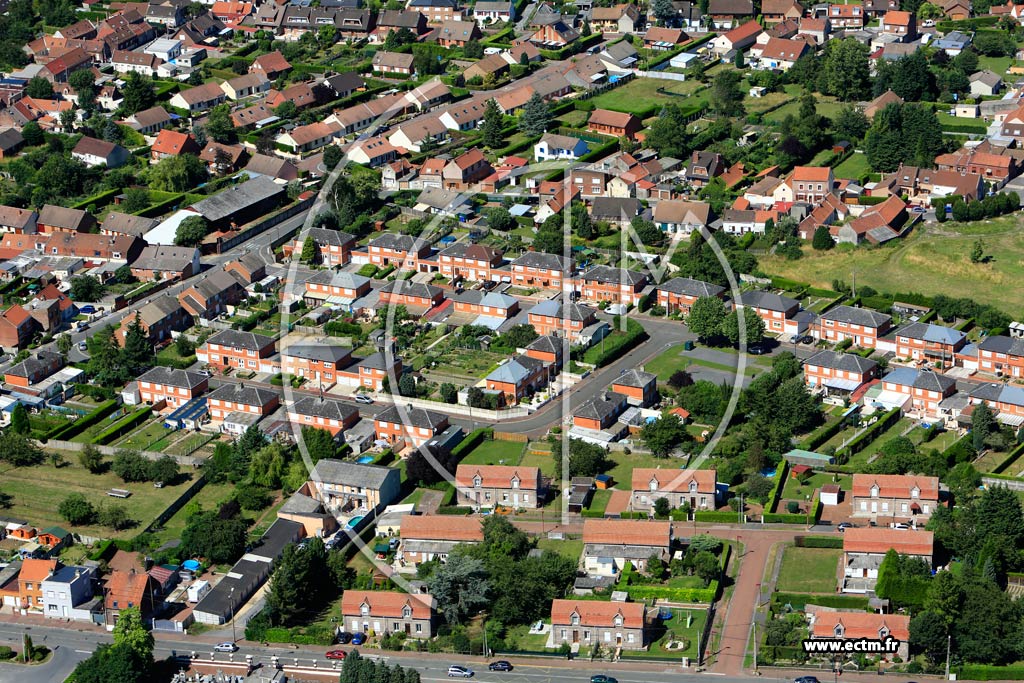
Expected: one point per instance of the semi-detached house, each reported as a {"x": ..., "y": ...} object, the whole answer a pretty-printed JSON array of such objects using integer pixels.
[
  {"x": 199, "y": 98},
  {"x": 237, "y": 350},
  {"x": 609, "y": 624},
  {"x": 861, "y": 325},
  {"x": 318, "y": 363},
  {"x": 383, "y": 612},
  {"x": 612, "y": 285},
  {"x": 933, "y": 343},
  {"x": 895, "y": 497},
  {"x": 490, "y": 486},
  {"x": 175, "y": 387},
  {"x": 239, "y": 398},
  {"x": 698, "y": 488},
  {"x": 323, "y": 413},
  {"x": 408, "y": 426},
  {"x": 1001, "y": 356},
  {"x": 432, "y": 537},
  {"x": 608, "y": 544},
  {"x": 680, "y": 293},
  {"x": 838, "y": 373}
]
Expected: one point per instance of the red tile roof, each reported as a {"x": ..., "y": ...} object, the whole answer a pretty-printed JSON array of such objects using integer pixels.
[
  {"x": 597, "y": 614},
  {"x": 880, "y": 541},
  {"x": 441, "y": 528},
  {"x": 674, "y": 480},
  {"x": 627, "y": 532},
  {"x": 388, "y": 604},
  {"x": 497, "y": 476},
  {"x": 172, "y": 142},
  {"x": 861, "y": 625},
  {"x": 896, "y": 486}
]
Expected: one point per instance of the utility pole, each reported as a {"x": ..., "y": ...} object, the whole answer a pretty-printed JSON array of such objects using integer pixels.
[
  {"x": 949, "y": 642},
  {"x": 741, "y": 508},
  {"x": 231, "y": 598},
  {"x": 754, "y": 624}
]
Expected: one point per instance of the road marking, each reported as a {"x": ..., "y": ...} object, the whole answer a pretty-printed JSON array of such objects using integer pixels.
[{"x": 84, "y": 652}]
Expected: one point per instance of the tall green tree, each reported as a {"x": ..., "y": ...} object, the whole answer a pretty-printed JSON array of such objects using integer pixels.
[
  {"x": 191, "y": 232},
  {"x": 846, "y": 71},
  {"x": 131, "y": 633},
  {"x": 138, "y": 355},
  {"x": 310, "y": 251},
  {"x": 706, "y": 317},
  {"x": 460, "y": 587},
  {"x": 726, "y": 97},
  {"x": 219, "y": 125},
  {"x": 494, "y": 121},
  {"x": 982, "y": 422},
  {"x": 536, "y": 116},
  {"x": 19, "y": 419},
  {"x": 664, "y": 435},
  {"x": 138, "y": 94},
  {"x": 753, "y": 323}
]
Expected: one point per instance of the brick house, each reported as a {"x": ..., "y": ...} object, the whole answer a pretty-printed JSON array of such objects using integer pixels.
[
  {"x": 846, "y": 16},
  {"x": 486, "y": 304},
  {"x": 126, "y": 589},
  {"x": 609, "y": 624},
  {"x": 323, "y": 413},
  {"x": 810, "y": 183},
  {"x": 517, "y": 378},
  {"x": 384, "y": 612},
  {"x": 600, "y": 413},
  {"x": 160, "y": 262},
  {"x": 340, "y": 287},
  {"x": 903, "y": 25},
  {"x": 917, "y": 392},
  {"x": 469, "y": 261},
  {"x": 334, "y": 248},
  {"x": 925, "y": 341},
  {"x": 465, "y": 170},
  {"x": 212, "y": 294},
  {"x": 773, "y": 309},
  {"x": 1001, "y": 356},
  {"x": 613, "y": 285},
  {"x": 271, "y": 65},
  {"x": 373, "y": 371},
  {"x": 60, "y": 219},
  {"x": 239, "y": 350},
  {"x": 862, "y": 325},
  {"x": 895, "y": 497},
  {"x": 171, "y": 143},
  {"x": 318, "y": 363},
  {"x": 695, "y": 487},
  {"x": 863, "y": 626},
  {"x": 455, "y": 33},
  {"x": 176, "y": 387},
  {"x": 561, "y": 320},
  {"x": 680, "y": 293},
  {"x": 238, "y": 398},
  {"x": 608, "y": 544},
  {"x": 392, "y": 248},
  {"x": 865, "y": 548},
  {"x": 841, "y": 373},
  {"x": 615, "y": 124},
  {"x": 33, "y": 369},
  {"x": 640, "y": 388},
  {"x": 411, "y": 426},
  {"x": 18, "y": 221},
  {"x": 548, "y": 349},
  {"x": 681, "y": 218},
  {"x": 411, "y": 294},
  {"x": 432, "y": 537},
  {"x": 488, "y": 486},
  {"x": 30, "y": 582},
  {"x": 537, "y": 269},
  {"x": 158, "y": 319},
  {"x": 16, "y": 328}
]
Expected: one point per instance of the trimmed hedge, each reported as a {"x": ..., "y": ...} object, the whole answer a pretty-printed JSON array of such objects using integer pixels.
[
  {"x": 989, "y": 672},
  {"x": 471, "y": 441},
  {"x": 612, "y": 348},
  {"x": 822, "y": 435},
  {"x": 592, "y": 514},
  {"x": 800, "y": 600},
  {"x": 703, "y": 595},
  {"x": 868, "y": 435},
  {"x": 1008, "y": 460},
  {"x": 66, "y": 431},
  {"x": 123, "y": 426},
  {"x": 625, "y": 514},
  {"x": 818, "y": 542},
  {"x": 777, "y": 485},
  {"x": 99, "y": 199},
  {"x": 454, "y": 510},
  {"x": 716, "y": 516}
]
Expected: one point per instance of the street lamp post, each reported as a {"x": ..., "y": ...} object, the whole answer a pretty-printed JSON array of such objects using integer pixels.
[{"x": 231, "y": 599}]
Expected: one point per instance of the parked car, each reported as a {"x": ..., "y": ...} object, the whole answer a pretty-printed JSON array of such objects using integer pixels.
[
  {"x": 82, "y": 346},
  {"x": 460, "y": 672},
  {"x": 901, "y": 526},
  {"x": 602, "y": 678},
  {"x": 364, "y": 399},
  {"x": 795, "y": 339},
  {"x": 335, "y": 654},
  {"x": 358, "y": 638},
  {"x": 807, "y": 679},
  {"x": 757, "y": 350},
  {"x": 344, "y": 638},
  {"x": 843, "y": 526},
  {"x": 87, "y": 309},
  {"x": 225, "y": 647},
  {"x": 500, "y": 665},
  {"x": 808, "y": 339}
]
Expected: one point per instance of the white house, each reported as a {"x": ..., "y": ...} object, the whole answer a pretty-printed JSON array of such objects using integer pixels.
[{"x": 554, "y": 147}]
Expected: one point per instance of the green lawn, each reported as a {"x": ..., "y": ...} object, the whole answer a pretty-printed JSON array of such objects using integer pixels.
[
  {"x": 853, "y": 167},
  {"x": 570, "y": 549},
  {"x": 495, "y": 453},
  {"x": 548, "y": 465},
  {"x": 794, "y": 490},
  {"x": 209, "y": 497},
  {"x": 1000, "y": 65},
  {"x": 639, "y": 94},
  {"x": 38, "y": 491},
  {"x": 875, "y": 446},
  {"x": 599, "y": 501},
  {"x": 809, "y": 570},
  {"x": 933, "y": 260},
  {"x": 675, "y": 629},
  {"x": 170, "y": 357},
  {"x": 142, "y": 439},
  {"x": 676, "y": 358},
  {"x": 946, "y": 119},
  {"x": 622, "y": 472}
]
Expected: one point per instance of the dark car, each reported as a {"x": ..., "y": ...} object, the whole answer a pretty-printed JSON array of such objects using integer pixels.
[
  {"x": 808, "y": 339},
  {"x": 500, "y": 665},
  {"x": 807, "y": 679},
  {"x": 344, "y": 638},
  {"x": 602, "y": 678},
  {"x": 358, "y": 638},
  {"x": 757, "y": 350}
]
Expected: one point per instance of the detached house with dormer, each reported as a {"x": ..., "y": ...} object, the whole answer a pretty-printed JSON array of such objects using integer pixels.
[
  {"x": 588, "y": 622},
  {"x": 384, "y": 612},
  {"x": 610, "y": 543},
  {"x": 697, "y": 488},
  {"x": 490, "y": 486},
  {"x": 863, "y": 626},
  {"x": 895, "y": 497}
]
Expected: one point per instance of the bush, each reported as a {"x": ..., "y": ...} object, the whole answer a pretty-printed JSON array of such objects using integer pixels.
[
  {"x": 614, "y": 346},
  {"x": 818, "y": 542},
  {"x": 123, "y": 426},
  {"x": 990, "y": 672},
  {"x": 252, "y": 497},
  {"x": 6, "y": 653},
  {"x": 471, "y": 441},
  {"x": 454, "y": 510},
  {"x": 714, "y": 516},
  {"x": 131, "y": 466},
  {"x": 64, "y": 432}
]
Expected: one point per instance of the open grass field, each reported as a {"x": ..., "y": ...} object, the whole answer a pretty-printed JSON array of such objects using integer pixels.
[
  {"x": 495, "y": 453},
  {"x": 38, "y": 492},
  {"x": 622, "y": 472},
  {"x": 548, "y": 466},
  {"x": 855, "y": 166},
  {"x": 676, "y": 358},
  {"x": 933, "y": 259},
  {"x": 209, "y": 498},
  {"x": 809, "y": 570},
  {"x": 565, "y": 548},
  {"x": 639, "y": 94}
]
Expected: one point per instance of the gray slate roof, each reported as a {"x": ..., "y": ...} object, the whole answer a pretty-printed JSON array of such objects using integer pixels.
[
  {"x": 417, "y": 417},
  {"x": 849, "y": 362},
  {"x": 236, "y": 339},
  {"x": 856, "y": 316},
  {"x": 172, "y": 377},
  {"x": 324, "y": 407},
  {"x": 246, "y": 395},
  {"x": 690, "y": 287}
]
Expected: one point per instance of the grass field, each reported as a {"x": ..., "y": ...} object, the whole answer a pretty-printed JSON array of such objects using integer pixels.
[
  {"x": 934, "y": 259},
  {"x": 1000, "y": 65},
  {"x": 674, "y": 629},
  {"x": 639, "y": 94},
  {"x": 548, "y": 465},
  {"x": 676, "y": 358},
  {"x": 495, "y": 453},
  {"x": 565, "y": 548},
  {"x": 209, "y": 497},
  {"x": 38, "y": 491},
  {"x": 855, "y": 166},
  {"x": 794, "y": 490},
  {"x": 622, "y": 472},
  {"x": 809, "y": 570}
]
